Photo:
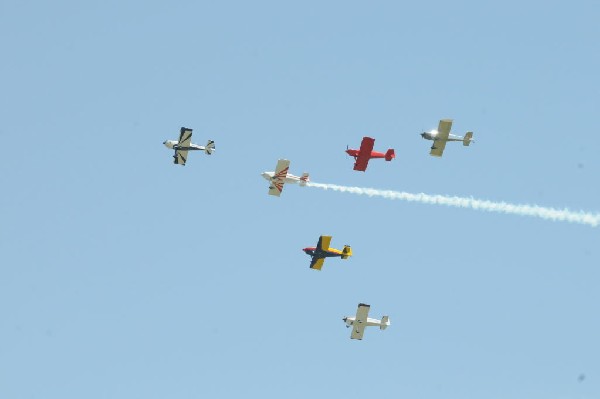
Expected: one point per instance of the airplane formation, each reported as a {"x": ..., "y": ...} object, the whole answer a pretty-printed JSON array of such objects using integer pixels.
[{"x": 280, "y": 176}]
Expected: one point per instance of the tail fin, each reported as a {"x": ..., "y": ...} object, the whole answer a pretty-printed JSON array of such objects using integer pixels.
[
  {"x": 385, "y": 322},
  {"x": 468, "y": 138},
  {"x": 210, "y": 147},
  {"x": 346, "y": 252},
  {"x": 304, "y": 179},
  {"x": 390, "y": 154}
]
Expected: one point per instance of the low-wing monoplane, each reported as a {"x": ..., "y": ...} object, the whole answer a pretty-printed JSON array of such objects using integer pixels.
[
  {"x": 281, "y": 176},
  {"x": 365, "y": 153},
  {"x": 322, "y": 251},
  {"x": 362, "y": 320},
  {"x": 442, "y": 135},
  {"x": 185, "y": 144}
]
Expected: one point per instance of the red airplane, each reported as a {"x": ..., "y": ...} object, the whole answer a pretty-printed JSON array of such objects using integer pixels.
[{"x": 366, "y": 152}]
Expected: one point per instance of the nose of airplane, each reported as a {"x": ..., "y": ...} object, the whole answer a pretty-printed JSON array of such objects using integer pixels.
[{"x": 423, "y": 134}]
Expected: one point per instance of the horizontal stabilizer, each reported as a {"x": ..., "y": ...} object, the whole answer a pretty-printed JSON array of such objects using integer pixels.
[
  {"x": 385, "y": 322},
  {"x": 304, "y": 179},
  {"x": 346, "y": 252},
  {"x": 390, "y": 154},
  {"x": 468, "y": 138},
  {"x": 210, "y": 147}
]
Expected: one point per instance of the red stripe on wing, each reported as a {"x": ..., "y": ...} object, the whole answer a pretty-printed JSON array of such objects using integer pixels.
[{"x": 282, "y": 174}]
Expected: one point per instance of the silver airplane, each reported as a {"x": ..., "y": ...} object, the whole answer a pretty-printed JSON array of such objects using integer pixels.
[
  {"x": 185, "y": 144},
  {"x": 442, "y": 135},
  {"x": 362, "y": 320}
]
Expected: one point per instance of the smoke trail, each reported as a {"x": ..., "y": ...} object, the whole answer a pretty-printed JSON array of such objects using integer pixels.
[{"x": 557, "y": 215}]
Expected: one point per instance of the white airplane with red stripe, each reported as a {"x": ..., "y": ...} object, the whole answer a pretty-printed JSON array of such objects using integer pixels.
[{"x": 281, "y": 176}]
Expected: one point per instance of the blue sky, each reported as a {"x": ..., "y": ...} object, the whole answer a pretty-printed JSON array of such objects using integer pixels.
[{"x": 125, "y": 276}]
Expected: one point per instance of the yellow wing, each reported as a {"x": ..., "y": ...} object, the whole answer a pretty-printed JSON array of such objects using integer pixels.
[
  {"x": 317, "y": 264},
  {"x": 437, "y": 149},
  {"x": 324, "y": 242}
]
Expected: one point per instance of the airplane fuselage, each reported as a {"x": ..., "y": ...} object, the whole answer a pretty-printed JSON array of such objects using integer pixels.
[
  {"x": 174, "y": 145},
  {"x": 289, "y": 178},
  {"x": 433, "y": 135},
  {"x": 370, "y": 322},
  {"x": 319, "y": 253},
  {"x": 355, "y": 153}
]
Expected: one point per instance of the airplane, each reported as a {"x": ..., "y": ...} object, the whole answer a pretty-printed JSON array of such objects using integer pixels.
[
  {"x": 365, "y": 153},
  {"x": 281, "y": 176},
  {"x": 184, "y": 145},
  {"x": 442, "y": 135},
  {"x": 322, "y": 251},
  {"x": 361, "y": 321}
]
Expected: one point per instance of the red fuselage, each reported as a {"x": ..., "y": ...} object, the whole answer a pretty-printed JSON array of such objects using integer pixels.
[{"x": 374, "y": 154}]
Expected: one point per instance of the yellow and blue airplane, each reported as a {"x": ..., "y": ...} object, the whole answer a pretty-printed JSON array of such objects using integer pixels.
[{"x": 322, "y": 251}]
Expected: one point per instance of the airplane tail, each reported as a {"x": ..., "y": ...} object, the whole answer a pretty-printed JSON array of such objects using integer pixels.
[
  {"x": 304, "y": 179},
  {"x": 385, "y": 322},
  {"x": 210, "y": 147},
  {"x": 390, "y": 154},
  {"x": 346, "y": 252},
  {"x": 468, "y": 138}
]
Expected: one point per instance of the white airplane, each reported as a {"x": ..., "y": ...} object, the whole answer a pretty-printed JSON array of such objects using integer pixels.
[
  {"x": 281, "y": 176},
  {"x": 442, "y": 135},
  {"x": 184, "y": 145},
  {"x": 362, "y": 320}
]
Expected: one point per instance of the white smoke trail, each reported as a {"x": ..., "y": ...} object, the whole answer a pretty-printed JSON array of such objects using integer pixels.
[{"x": 557, "y": 215}]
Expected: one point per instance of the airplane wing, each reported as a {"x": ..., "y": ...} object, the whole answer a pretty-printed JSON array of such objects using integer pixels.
[
  {"x": 185, "y": 137},
  {"x": 275, "y": 188},
  {"x": 364, "y": 154},
  {"x": 362, "y": 313},
  {"x": 324, "y": 242},
  {"x": 281, "y": 171},
  {"x": 317, "y": 263},
  {"x": 180, "y": 157},
  {"x": 437, "y": 149}
]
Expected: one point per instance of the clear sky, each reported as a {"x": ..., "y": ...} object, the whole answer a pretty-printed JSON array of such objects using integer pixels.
[{"x": 125, "y": 276}]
